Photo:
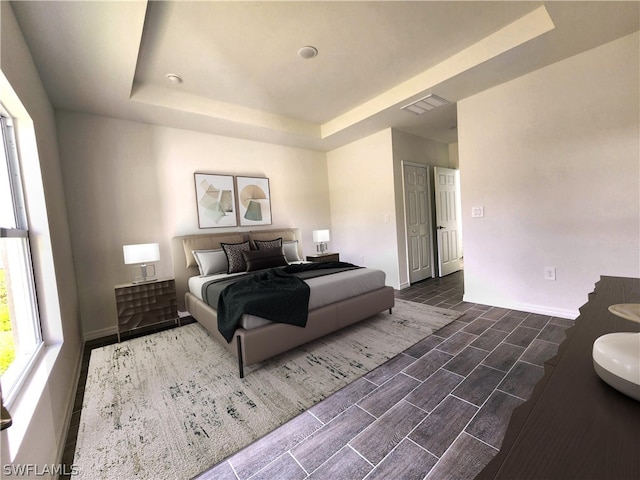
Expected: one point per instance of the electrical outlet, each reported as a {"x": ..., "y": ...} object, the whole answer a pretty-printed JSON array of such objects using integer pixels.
[
  {"x": 549, "y": 273},
  {"x": 477, "y": 212}
]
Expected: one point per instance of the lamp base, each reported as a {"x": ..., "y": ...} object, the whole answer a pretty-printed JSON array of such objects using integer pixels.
[{"x": 147, "y": 274}]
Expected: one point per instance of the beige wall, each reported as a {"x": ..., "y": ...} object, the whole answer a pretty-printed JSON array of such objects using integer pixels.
[
  {"x": 413, "y": 149},
  {"x": 129, "y": 182},
  {"x": 554, "y": 159},
  {"x": 454, "y": 158},
  {"x": 552, "y": 156},
  {"x": 363, "y": 215},
  {"x": 42, "y": 412}
]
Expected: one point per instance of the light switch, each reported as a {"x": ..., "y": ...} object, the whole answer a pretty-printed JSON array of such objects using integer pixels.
[
  {"x": 550, "y": 273},
  {"x": 477, "y": 212}
]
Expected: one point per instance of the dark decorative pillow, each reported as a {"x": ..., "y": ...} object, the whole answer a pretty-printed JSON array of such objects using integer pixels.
[
  {"x": 235, "y": 260},
  {"x": 261, "y": 259},
  {"x": 266, "y": 244}
]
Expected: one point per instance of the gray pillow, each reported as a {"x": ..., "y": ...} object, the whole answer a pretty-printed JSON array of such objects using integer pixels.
[
  {"x": 234, "y": 256},
  {"x": 211, "y": 261},
  {"x": 291, "y": 251}
]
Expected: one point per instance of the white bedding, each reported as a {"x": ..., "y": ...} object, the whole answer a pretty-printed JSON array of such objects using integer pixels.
[{"x": 324, "y": 290}]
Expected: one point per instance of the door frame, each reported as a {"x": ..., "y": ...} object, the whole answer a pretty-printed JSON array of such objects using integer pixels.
[
  {"x": 431, "y": 217},
  {"x": 458, "y": 214}
]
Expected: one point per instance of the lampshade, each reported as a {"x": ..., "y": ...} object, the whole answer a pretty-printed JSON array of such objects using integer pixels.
[
  {"x": 321, "y": 236},
  {"x": 141, "y": 253}
]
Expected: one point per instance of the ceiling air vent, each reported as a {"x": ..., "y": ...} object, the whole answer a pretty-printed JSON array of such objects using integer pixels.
[{"x": 425, "y": 103}]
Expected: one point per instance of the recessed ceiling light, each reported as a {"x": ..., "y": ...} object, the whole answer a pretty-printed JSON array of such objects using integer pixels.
[
  {"x": 173, "y": 78},
  {"x": 307, "y": 52}
]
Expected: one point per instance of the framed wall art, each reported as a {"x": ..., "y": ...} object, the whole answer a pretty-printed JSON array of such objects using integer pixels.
[
  {"x": 216, "y": 200},
  {"x": 254, "y": 201}
]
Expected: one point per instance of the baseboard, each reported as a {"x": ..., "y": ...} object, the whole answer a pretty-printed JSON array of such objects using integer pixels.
[
  {"x": 112, "y": 331},
  {"x": 525, "y": 307},
  {"x": 103, "y": 332},
  {"x": 71, "y": 401},
  {"x": 404, "y": 285}
]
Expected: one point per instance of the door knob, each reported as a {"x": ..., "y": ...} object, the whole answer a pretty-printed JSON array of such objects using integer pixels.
[{"x": 440, "y": 227}]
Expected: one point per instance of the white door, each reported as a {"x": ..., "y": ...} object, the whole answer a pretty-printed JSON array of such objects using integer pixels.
[
  {"x": 418, "y": 222},
  {"x": 448, "y": 223}
]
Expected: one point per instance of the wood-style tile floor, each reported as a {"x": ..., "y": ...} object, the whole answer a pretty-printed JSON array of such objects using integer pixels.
[{"x": 437, "y": 410}]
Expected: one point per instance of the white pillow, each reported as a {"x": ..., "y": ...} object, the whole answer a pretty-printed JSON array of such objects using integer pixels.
[
  {"x": 291, "y": 251},
  {"x": 211, "y": 261}
]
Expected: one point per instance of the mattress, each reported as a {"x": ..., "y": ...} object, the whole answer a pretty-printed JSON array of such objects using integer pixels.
[{"x": 324, "y": 290}]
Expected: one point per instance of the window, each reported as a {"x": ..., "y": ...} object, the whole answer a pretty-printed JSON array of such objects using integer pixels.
[{"x": 20, "y": 332}]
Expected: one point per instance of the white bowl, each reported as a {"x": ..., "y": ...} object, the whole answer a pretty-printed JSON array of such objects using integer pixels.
[
  {"x": 616, "y": 360},
  {"x": 630, "y": 311}
]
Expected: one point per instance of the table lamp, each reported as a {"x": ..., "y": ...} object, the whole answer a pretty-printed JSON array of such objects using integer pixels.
[
  {"x": 140, "y": 255},
  {"x": 321, "y": 237}
]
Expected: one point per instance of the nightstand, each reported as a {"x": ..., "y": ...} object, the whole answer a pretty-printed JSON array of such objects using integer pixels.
[
  {"x": 144, "y": 304},
  {"x": 324, "y": 257}
]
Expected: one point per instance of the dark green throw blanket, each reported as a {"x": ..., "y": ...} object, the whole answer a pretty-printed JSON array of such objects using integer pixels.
[{"x": 277, "y": 294}]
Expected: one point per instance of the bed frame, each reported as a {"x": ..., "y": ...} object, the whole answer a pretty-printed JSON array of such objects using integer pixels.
[{"x": 258, "y": 344}]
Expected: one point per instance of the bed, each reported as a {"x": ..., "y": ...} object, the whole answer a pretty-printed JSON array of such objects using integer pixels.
[{"x": 361, "y": 294}]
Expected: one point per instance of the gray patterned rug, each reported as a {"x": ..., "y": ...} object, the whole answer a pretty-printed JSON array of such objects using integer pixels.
[{"x": 170, "y": 405}]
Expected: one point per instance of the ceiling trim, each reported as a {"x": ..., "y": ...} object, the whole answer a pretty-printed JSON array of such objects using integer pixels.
[
  {"x": 197, "y": 104},
  {"x": 513, "y": 35},
  {"x": 88, "y": 62}
]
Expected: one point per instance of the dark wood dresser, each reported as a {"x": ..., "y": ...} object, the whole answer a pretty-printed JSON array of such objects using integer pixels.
[
  {"x": 324, "y": 257},
  {"x": 575, "y": 426},
  {"x": 141, "y": 305}
]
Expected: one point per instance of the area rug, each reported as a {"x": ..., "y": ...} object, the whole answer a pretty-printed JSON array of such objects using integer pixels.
[{"x": 170, "y": 405}]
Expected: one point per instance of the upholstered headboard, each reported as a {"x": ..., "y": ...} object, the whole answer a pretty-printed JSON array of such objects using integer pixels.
[{"x": 184, "y": 264}]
